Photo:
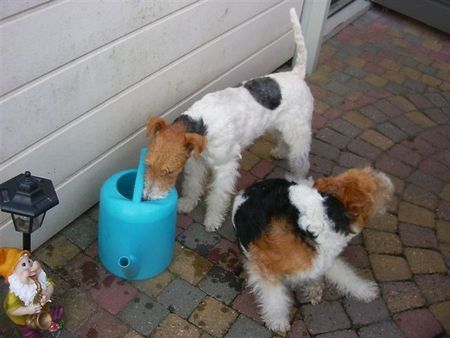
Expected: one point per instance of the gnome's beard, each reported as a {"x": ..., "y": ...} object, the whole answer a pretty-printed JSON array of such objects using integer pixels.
[{"x": 26, "y": 292}]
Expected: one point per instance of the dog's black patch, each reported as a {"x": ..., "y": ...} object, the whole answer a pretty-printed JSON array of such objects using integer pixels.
[
  {"x": 337, "y": 214},
  {"x": 266, "y": 200},
  {"x": 192, "y": 126},
  {"x": 265, "y": 91}
]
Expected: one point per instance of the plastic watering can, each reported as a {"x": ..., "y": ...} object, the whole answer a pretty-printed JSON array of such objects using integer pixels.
[{"x": 136, "y": 238}]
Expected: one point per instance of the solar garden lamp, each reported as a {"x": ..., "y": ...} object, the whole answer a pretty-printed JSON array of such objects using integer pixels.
[{"x": 27, "y": 198}]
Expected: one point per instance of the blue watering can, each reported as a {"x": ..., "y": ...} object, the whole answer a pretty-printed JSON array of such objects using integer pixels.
[{"x": 136, "y": 238}]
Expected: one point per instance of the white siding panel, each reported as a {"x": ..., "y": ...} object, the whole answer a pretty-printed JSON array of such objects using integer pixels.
[
  {"x": 63, "y": 31},
  {"x": 12, "y": 7},
  {"x": 81, "y": 190},
  {"x": 54, "y": 100}
]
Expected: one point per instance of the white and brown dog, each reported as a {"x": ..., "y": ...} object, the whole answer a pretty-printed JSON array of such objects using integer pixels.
[
  {"x": 217, "y": 128},
  {"x": 291, "y": 234}
]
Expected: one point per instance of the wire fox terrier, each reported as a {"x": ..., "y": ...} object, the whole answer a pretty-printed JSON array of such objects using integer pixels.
[
  {"x": 217, "y": 128},
  {"x": 291, "y": 235}
]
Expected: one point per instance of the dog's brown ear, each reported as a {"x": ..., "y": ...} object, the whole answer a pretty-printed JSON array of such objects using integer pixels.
[
  {"x": 154, "y": 124},
  {"x": 195, "y": 142}
]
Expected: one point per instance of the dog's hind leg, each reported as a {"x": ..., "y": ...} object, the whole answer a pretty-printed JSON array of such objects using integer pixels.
[
  {"x": 193, "y": 184},
  {"x": 298, "y": 138},
  {"x": 347, "y": 281},
  {"x": 220, "y": 192},
  {"x": 273, "y": 300},
  {"x": 281, "y": 150}
]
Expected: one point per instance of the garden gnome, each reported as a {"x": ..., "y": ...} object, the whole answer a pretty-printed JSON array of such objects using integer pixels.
[{"x": 27, "y": 302}]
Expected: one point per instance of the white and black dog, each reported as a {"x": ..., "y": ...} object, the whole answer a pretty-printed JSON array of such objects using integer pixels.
[
  {"x": 291, "y": 234},
  {"x": 217, "y": 128}
]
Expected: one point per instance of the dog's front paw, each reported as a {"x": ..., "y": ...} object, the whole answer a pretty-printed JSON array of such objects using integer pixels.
[
  {"x": 367, "y": 291},
  {"x": 185, "y": 205},
  {"x": 278, "y": 325},
  {"x": 212, "y": 222}
]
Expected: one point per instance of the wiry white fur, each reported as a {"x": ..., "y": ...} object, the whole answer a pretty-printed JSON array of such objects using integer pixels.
[{"x": 234, "y": 119}]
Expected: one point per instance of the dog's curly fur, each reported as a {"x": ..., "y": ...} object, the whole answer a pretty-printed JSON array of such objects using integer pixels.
[
  {"x": 220, "y": 126},
  {"x": 292, "y": 233}
]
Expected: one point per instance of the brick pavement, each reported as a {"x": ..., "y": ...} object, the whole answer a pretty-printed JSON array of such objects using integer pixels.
[{"x": 382, "y": 96}]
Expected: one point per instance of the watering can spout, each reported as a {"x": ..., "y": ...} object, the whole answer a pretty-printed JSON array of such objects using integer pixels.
[{"x": 129, "y": 266}]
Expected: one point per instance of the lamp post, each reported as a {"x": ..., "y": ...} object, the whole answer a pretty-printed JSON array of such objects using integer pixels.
[{"x": 27, "y": 198}]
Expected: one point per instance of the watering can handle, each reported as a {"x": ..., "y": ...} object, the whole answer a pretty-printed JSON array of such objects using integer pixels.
[{"x": 139, "y": 182}]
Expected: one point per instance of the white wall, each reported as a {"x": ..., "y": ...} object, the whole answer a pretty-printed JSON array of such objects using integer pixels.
[{"x": 78, "y": 80}]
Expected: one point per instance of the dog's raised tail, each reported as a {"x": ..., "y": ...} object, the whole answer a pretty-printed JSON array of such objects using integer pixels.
[{"x": 299, "y": 62}]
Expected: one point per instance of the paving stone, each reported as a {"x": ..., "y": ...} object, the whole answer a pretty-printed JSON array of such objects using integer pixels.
[
  {"x": 376, "y": 139},
  {"x": 382, "y": 242},
  {"x": 443, "y": 210},
  {"x": 320, "y": 165},
  {"x": 445, "y": 193},
  {"x": 93, "y": 213},
  {"x": 181, "y": 297},
  {"x": 262, "y": 169},
  {"x": 325, "y": 317},
  {"x": 213, "y": 317},
  {"x": 405, "y": 154},
  {"x": 387, "y": 107},
  {"x": 386, "y": 329},
  {"x": 112, "y": 293},
  {"x": 389, "y": 268},
  {"x": 248, "y": 160},
  {"x": 373, "y": 113},
  {"x": 410, "y": 213},
  {"x": 426, "y": 182},
  {"x": 432, "y": 167},
  {"x": 190, "y": 266},
  {"x": 444, "y": 248},
  {"x": 344, "y": 127},
  {"x": 442, "y": 312},
  {"x": 330, "y": 136},
  {"x": 392, "y": 131},
  {"x": 174, "y": 326},
  {"x": 227, "y": 229},
  {"x": 82, "y": 271},
  {"x": 324, "y": 150},
  {"x": 184, "y": 221},
  {"x": 57, "y": 252},
  {"x": 78, "y": 306},
  {"x": 420, "y": 119},
  {"x": 418, "y": 323},
  {"x": 387, "y": 222},
  {"x": 416, "y": 236},
  {"x": 246, "y": 304},
  {"x": 437, "y": 115},
  {"x": 391, "y": 165},
  {"x": 435, "y": 287},
  {"x": 350, "y": 160},
  {"x": 443, "y": 231},
  {"x": 339, "y": 334},
  {"x": 82, "y": 232},
  {"x": 356, "y": 255},
  {"x": 143, "y": 314},
  {"x": 358, "y": 120},
  {"x": 366, "y": 313},
  {"x": 364, "y": 149},
  {"x": 198, "y": 239},
  {"x": 103, "y": 325},
  {"x": 245, "y": 327},
  {"x": 262, "y": 149},
  {"x": 402, "y": 103},
  {"x": 298, "y": 329},
  {"x": 400, "y": 296},
  {"x": 227, "y": 255},
  {"x": 221, "y": 284},
  {"x": 425, "y": 261},
  {"x": 245, "y": 180},
  {"x": 420, "y": 197},
  {"x": 154, "y": 286}
]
